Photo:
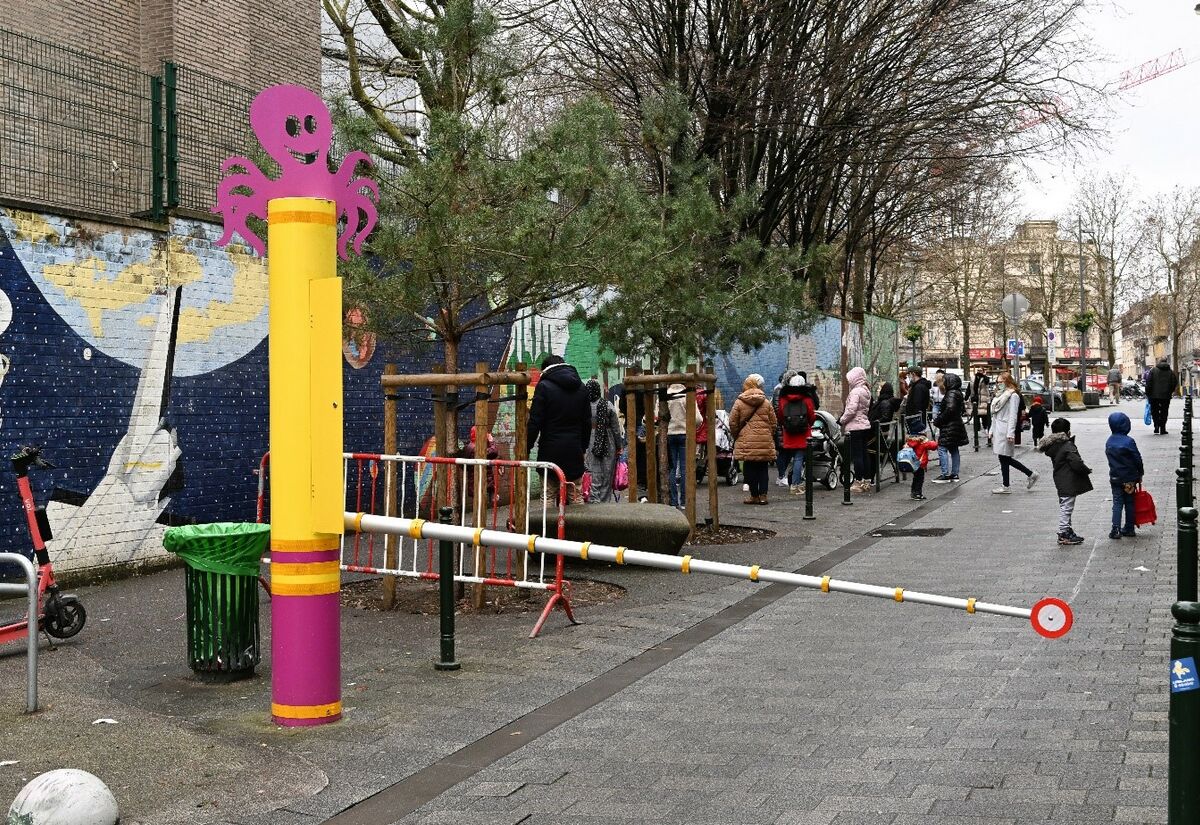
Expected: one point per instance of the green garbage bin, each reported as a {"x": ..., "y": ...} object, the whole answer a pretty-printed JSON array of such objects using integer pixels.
[{"x": 221, "y": 590}]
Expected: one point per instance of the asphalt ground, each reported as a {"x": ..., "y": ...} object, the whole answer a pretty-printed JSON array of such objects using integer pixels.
[{"x": 692, "y": 699}]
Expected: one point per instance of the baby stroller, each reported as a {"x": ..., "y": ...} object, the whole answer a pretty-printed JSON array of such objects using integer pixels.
[
  {"x": 726, "y": 466},
  {"x": 826, "y": 443}
]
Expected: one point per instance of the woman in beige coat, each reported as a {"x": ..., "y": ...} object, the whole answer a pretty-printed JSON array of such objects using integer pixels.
[{"x": 752, "y": 424}]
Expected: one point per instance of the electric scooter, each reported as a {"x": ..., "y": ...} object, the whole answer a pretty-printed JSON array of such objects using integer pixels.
[{"x": 60, "y": 615}]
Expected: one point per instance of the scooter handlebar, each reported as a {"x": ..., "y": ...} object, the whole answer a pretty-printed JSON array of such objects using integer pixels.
[{"x": 29, "y": 456}]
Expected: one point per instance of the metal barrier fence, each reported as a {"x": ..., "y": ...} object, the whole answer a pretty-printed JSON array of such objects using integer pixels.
[
  {"x": 484, "y": 493},
  {"x": 94, "y": 135}
]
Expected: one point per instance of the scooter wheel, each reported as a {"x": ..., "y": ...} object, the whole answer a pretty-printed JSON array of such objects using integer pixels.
[{"x": 67, "y": 620}]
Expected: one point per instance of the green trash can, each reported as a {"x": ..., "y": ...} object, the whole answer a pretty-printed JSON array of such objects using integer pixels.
[{"x": 221, "y": 589}]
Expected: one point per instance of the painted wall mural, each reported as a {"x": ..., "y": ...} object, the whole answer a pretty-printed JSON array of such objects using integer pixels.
[
  {"x": 826, "y": 351},
  {"x": 139, "y": 361}
]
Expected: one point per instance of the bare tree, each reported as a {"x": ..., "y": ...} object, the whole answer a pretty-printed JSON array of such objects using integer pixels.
[
  {"x": 1173, "y": 228},
  {"x": 1108, "y": 207},
  {"x": 969, "y": 260}
]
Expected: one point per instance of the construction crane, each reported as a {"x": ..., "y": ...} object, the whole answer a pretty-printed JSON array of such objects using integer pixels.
[{"x": 1128, "y": 79}]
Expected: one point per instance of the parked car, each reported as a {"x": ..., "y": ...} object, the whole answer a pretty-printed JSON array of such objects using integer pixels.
[{"x": 1031, "y": 387}]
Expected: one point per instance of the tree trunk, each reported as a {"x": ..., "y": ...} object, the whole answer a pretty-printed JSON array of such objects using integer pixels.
[
  {"x": 451, "y": 341},
  {"x": 966, "y": 351}
]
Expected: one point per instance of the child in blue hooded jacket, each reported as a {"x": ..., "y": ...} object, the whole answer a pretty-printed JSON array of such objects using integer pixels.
[{"x": 1125, "y": 472}]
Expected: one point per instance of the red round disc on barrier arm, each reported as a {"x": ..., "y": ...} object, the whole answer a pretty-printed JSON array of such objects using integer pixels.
[{"x": 1052, "y": 618}]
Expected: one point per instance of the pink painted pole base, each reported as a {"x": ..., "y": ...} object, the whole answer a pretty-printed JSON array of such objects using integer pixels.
[{"x": 306, "y": 659}]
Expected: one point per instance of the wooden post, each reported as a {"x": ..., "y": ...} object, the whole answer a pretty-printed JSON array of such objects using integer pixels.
[
  {"x": 480, "y": 476},
  {"x": 631, "y": 436},
  {"x": 689, "y": 455},
  {"x": 521, "y": 482},
  {"x": 649, "y": 404},
  {"x": 391, "y": 542},
  {"x": 710, "y": 423}
]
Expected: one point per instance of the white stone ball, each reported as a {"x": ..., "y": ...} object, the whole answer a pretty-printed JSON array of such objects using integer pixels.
[{"x": 64, "y": 797}]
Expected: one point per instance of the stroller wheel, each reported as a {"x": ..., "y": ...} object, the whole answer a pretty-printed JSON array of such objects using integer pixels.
[
  {"x": 734, "y": 476},
  {"x": 832, "y": 479}
]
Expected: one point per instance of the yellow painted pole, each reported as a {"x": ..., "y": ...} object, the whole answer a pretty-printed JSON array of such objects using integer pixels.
[{"x": 306, "y": 460}]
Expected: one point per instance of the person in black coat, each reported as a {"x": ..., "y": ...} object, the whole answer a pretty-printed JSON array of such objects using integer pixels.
[
  {"x": 1159, "y": 389},
  {"x": 952, "y": 432},
  {"x": 916, "y": 403},
  {"x": 981, "y": 397},
  {"x": 560, "y": 422},
  {"x": 1070, "y": 476}
]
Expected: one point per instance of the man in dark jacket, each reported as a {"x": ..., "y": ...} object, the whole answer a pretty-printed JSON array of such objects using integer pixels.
[
  {"x": 1125, "y": 471},
  {"x": 952, "y": 432},
  {"x": 560, "y": 422},
  {"x": 916, "y": 403},
  {"x": 1159, "y": 389},
  {"x": 1070, "y": 476}
]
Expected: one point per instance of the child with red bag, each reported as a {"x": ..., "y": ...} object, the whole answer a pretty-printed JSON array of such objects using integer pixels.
[{"x": 1125, "y": 473}]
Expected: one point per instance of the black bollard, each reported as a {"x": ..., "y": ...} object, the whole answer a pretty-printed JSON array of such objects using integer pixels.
[
  {"x": 808, "y": 480},
  {"x": 1183, "y": 491},
  {"x": 446, "y": 596},
  {"x": 1183, "y": 791},
  {"x": 846, "y": 476},
  {"x": 878, "y": 454}
]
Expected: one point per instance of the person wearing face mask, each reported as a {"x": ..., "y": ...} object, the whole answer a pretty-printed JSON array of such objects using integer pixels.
[
  {"x": 1006, "y": 434},
  {"x": 856, "y": 422}
]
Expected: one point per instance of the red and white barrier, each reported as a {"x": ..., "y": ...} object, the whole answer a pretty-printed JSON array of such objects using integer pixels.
[{"x": 491, "y": 494}]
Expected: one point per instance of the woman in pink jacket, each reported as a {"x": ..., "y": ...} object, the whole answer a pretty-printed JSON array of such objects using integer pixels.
[{"x": 855, "y": 422}]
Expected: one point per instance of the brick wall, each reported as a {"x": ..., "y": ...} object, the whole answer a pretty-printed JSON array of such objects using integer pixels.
[{"x": 251, "y": 43}]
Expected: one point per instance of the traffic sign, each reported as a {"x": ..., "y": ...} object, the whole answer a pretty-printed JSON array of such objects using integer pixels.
[
  {"x": 1016, "y": 347},
  {"x": 1051, "y": 618}
]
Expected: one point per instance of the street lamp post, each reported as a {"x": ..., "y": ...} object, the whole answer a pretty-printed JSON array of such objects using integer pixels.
[{"x": 1082, "y": 309}]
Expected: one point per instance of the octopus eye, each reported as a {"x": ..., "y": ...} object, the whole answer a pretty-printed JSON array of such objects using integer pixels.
[
  {"x": 293, "y": 126},
  {"x": 310, "y": 125}
]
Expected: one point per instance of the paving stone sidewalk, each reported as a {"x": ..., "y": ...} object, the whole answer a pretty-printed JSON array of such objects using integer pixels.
[
  {"x": 831, "y": 710},
  {"x": 816, "y": 709}
]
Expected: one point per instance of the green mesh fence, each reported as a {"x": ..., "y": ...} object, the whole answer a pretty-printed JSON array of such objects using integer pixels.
[
  {"x": 75, "y": 129},
  {"x": 212, "y": 117}
]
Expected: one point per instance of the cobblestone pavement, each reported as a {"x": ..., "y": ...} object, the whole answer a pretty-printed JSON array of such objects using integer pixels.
[{"x": 806, "y": 709}]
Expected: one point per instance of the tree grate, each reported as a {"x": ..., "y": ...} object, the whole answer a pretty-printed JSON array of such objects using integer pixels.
[{"x": 907, "y": 532}]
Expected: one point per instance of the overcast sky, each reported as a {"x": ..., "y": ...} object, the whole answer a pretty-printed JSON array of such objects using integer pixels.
[{"x": 1154, "y": 129}]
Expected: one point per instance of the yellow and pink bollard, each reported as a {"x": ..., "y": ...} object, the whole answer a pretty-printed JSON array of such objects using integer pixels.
[{"x": 303, "y": 207}]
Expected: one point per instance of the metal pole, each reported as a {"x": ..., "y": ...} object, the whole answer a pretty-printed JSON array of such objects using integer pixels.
[
  {"x": 845, "y": 453},
  {"x": 878, "y": 454},
  {"x": 1183, "y": 791},
  {"x": 1183, "y": 497},
  {"x": 808, "y": 481},
  {"x": 1082, "y": 309},
  {"x": 446, "y": 595},
  {"x": 31, "y": 645}
]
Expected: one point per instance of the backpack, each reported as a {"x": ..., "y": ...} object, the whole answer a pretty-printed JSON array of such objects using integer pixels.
[
  {"x": 795, "y": 416},
  {"x": 907, "y": 460}
]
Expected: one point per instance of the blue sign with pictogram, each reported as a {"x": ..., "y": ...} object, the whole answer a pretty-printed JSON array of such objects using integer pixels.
[{"x": 1183, "y": 675}]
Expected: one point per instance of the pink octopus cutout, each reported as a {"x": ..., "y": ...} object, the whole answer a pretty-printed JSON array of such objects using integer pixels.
[{"x": 294, "y": 127}]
